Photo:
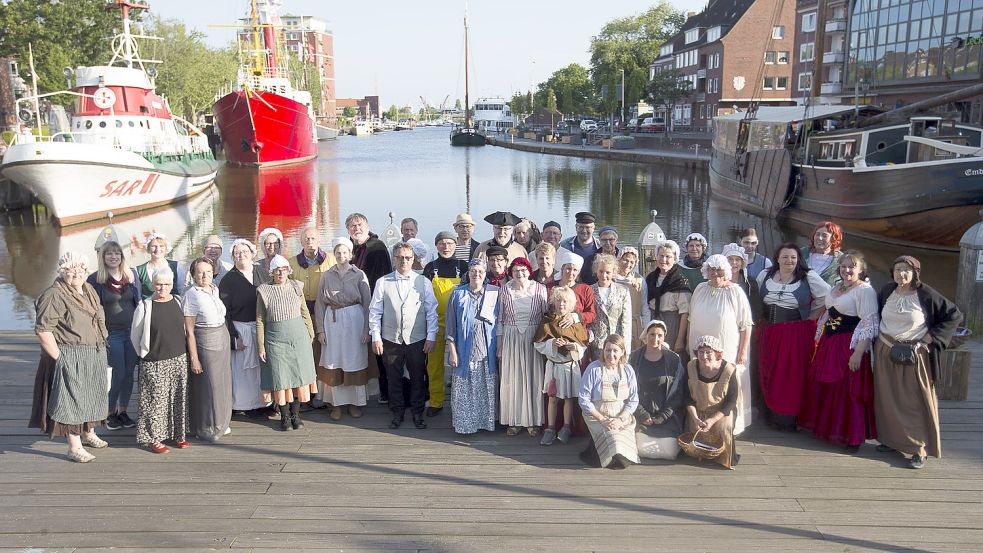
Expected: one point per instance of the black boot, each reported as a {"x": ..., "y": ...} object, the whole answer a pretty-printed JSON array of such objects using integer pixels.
[
  {"x": 284, "y": 417},
  {"x": 295, "y": 415}
]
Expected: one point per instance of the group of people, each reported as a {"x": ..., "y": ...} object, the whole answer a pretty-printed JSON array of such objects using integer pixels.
[{"x": 544, "y": 335}]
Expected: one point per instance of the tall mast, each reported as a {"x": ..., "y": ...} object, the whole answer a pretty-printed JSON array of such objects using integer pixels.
[
  {"x": 259, "y": 64},
  {"x": 467, "y": 108}
]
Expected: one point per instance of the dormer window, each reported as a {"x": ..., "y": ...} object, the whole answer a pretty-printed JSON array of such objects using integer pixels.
[
  {"x": 693, "y": 35},
  {"x": 665, "y": 50},
  {"x": 713, "y": 33}
]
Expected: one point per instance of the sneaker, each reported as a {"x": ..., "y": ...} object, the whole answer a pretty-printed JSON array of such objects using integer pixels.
[
  {"x": 113, "y": 422},
  {"x": 564, "y": 435},
  {"x": 916, "y": 462},
  {"x": 125, "y": 420},
  {"x": 548, "y": 436}
]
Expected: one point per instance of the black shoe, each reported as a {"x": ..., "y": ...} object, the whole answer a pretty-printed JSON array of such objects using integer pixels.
[
  {"x": 383, "y": 400},
  {"x": 419, "y": 422},
  {"x": 916, "y": 462},
  {"x": 285, "y": 418},
  {"x": 884, "y": 448},
  {"x": 853, "y": 449},
  {"x": 396, "y": 422},
  {"x": 295, "y": 421},
  {"x": 125, "y": 420},
  {"x": 113, "y": 423},
  {"x": 434, "y": 411},
  {"x": 255, "y": 414}
]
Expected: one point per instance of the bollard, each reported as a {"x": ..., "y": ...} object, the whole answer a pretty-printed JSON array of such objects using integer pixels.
[{"x": 969, "y": 285}]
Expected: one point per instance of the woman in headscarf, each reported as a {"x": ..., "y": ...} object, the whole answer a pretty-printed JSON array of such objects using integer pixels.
[
  {"x": 158, "y": 248},
  {"x": 472, "y": 316},
  {"x": 719, "y": 308},
  {"x": 661, "y": 380},
  {"x": 341, "y": 316},
  {"x": 823, "y": 252},
  {"x": 444, "y": 273},
  {"x": 669, "y": 295},
  {"x": 637, "y": 290},
  {"x": 793, "y": 298},
  {"x": 523, "y": 303},
  {"x": 271, "y": 241},
  {"x": 838, "y": 405},
  {"x": 210, "y": 384},
  {"x": 160, "y": 338},
  {"x": 916, "y": 326},
  {"x": 697, "y": 252},
  {"x": 285, "y": 333},
  {"x": 118, "y": 288},
  {"x": 608, "y": 399},
  {"x": 70, "y": 389},
  {"x": 712, "y": 389},
  {"x": 238, "y": 292}
]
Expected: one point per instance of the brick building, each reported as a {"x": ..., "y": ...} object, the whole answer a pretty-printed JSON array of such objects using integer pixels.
[
  {"x": 367, "y": 107},
  {"x": 732, "y": 52},
  {"x": 310, "y": 40},
  {"x": 12, "y": 87},
  {"x": 822, "y": 44}
]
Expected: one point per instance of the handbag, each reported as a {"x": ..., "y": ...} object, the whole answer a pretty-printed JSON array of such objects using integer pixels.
[{"x": 905, "y": 353}]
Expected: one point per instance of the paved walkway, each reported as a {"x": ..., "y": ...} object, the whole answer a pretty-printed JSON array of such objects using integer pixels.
[{"x": 356, "y": 486}]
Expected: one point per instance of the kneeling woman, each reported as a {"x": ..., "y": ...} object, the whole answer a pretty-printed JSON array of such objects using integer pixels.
[
  {"x": 608, "y": 398},
  {"x": 712, "y": 396},
  {"x": 661, "y": 379},
  {"x": 285, "y": 335}
]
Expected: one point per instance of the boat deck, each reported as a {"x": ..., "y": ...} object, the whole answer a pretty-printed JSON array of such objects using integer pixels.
[{"x": 357, "y": 486}]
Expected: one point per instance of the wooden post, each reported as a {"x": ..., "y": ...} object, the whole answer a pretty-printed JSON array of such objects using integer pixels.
[{"x": 953, "y": 382}]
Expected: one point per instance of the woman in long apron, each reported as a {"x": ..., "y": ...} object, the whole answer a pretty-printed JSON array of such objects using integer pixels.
[
  {"x": 608, "y": 399},
  {"x": 238, "y": 292},
  {"x": 712, "y": 390}
]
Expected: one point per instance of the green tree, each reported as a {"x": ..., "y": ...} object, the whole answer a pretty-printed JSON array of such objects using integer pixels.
[
  {"x": 550, "y": 99},
  {"x": 349, "y": 112},
  {"x": 572, "y": 88},
  {"x": 667, "y": 89},
  {"x": 518, "y": 105},
  {"x": 61, "y": 36},
  {"x": 392, "y": 113},
  {"x": 631, "y": 44},
  {"x": 457, "y": 104},
  {"x": 191, "y": 72}
]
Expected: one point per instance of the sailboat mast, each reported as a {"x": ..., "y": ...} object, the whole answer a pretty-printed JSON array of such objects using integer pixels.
[{"x": 467, "y": 104}]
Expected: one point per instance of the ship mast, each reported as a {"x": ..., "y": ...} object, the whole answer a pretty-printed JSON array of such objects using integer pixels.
[{"x": 467, "y": 105}]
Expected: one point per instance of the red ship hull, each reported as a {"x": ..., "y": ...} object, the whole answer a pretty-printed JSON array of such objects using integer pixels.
[{"x": 264, "y": 129}]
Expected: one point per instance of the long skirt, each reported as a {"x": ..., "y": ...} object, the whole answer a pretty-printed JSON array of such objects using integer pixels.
[
  {"x": 210, "y": 392},
  {"x": 659, "y": 440},
  {"x": 163, "y": 387},
  {"x": 613, "y": 442},
  {"x": 522, "y": 370},
  {"x": 246, "y": 394},
  {"x": 71, "y": 393},
  {"x": 838, "y": 405},
  {"x": 672, "y": 320},
  {"x": 289, "y": 357},
  {"x": 473, "y": 399},
  {"x": 905, "y": 403},
  {"x": 343, "y": 368},
  {"x": 784, "y": 354}
]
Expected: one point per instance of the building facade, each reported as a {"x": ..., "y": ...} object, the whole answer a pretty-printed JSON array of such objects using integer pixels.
[
  {"x": 733, "y": 53},
  {"x": 310, "y": 40},
  {"x": 366, "y": 108},
  {"x": 821, "y": 49}
]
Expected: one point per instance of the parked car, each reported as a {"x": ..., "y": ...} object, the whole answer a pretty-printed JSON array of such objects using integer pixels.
[
  {"x": 653, "y": 124},
  {"x": 588, "y": 125},
  {"x": 562, "y": 126}
]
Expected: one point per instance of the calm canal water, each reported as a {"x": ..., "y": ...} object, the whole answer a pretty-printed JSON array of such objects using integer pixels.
[{"x": 413, "y": 174}]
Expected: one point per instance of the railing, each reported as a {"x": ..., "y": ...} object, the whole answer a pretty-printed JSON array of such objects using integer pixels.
[
  {"x": 142, "y": 145},
  {"x": 834, "y": 57},
  {"x": 831, "y": 88},
  {"x": 836, "y": 26}
]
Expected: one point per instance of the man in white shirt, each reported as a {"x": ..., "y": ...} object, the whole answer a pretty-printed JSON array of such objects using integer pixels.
[{"x": 403, "y": 327}]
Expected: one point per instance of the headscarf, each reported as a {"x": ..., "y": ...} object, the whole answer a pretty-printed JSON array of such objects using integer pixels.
[
  {"x": 716, "y": 261},
  {"x": 916, "y": 267},
  {"x": 734, "y": 250},
  {"x": 419, "y": 249},
  {"x": 277, "y": 262},
  {"x": 655, "y": 322},
  {"x": 243, "y": 242},
  {"x": 711, "y": 342},
  {"x": 72, "y": 259},
  {"x": 155, "y": 236},
  {"x": 268, "y": 231},
  {"x": 478, "y": 261},
  {"x": 608, "y": 228},
  {"x": 342, "y": 241},
  {"x": 567, "y": 257},
  {"x": 213, "y": 239}
]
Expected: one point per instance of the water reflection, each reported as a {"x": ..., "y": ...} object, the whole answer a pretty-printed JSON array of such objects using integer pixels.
[{"x": 416, "y": 175}]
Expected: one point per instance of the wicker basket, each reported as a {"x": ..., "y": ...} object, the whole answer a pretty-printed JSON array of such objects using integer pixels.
[
  {"x": 687, "y": 442},
  {"x": 959, "y": 338}
]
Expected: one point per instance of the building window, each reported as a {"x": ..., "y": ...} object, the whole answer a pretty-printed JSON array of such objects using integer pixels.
[
  {"x": 692, "y": 35},
  {"x": 769, "y": 57},
  {"x": 807, "y": 51},
  {"x": 769, "y": 83},
  {"x": 782, "y": 58},
  {"x": 805, "y": 82},
  {"x": 781, "y": 83},
  {"x": 713, "y": 33},
  {"x": 778, "y": 32},
  {"x": 809, "y": 22},
  {"x": 665, "y": 50}
]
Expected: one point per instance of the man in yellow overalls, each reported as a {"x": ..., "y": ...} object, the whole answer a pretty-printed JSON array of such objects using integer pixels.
[{"x": 444, "y": 273}]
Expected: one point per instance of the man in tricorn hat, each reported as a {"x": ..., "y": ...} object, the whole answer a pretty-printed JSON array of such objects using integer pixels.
[
  {"x": 584, "y": 243},
  {"x": 503, "y": 224}
]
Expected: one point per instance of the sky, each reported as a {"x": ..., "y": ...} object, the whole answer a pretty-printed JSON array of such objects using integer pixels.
[{"x": 402, "y": 50}]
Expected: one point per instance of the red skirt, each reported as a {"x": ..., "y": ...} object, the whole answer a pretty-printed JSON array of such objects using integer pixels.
[
  {"x": 784, "y": 353},
  {"x": 838, "y": 405}
]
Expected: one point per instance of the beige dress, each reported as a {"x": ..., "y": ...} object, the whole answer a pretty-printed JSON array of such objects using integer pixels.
[
  {"x": 341, "y": 313},
  {"x": 614, "y": 394},
  {"x": 707, "y": 397},
  {"x": 522, "y": 368}
]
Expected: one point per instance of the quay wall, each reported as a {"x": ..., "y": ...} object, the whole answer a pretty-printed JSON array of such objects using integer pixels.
[{"x": 637, "y": 156}]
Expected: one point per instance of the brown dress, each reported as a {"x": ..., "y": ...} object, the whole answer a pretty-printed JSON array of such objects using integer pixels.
[
  {"x": 710, "y": 398},
  {"x": 71, "y": 393}
]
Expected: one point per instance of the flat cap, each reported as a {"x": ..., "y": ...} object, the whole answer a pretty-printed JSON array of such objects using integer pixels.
[
  {"x": 585, "y": 218},
  {"x": 495, "y": 249}
]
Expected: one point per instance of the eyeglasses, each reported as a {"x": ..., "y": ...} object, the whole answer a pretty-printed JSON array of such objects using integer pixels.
[{"x": 404, "y": 257}]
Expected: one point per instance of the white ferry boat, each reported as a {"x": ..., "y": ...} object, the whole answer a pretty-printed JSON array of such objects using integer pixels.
[{"x": 493, "y": 115}]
